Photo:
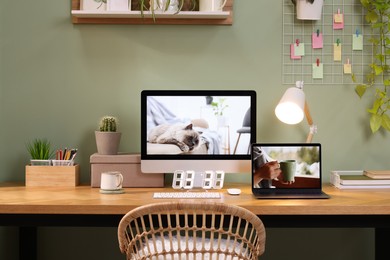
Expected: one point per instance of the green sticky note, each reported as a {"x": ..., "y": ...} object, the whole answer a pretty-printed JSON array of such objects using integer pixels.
[
  {"x": 357, "y": 42},
  {"x": 299, "y": 50},
  {"x": 318, "y": 71}
]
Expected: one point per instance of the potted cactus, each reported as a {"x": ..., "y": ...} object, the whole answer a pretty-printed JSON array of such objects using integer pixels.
[{"x": 107, "y": 137}]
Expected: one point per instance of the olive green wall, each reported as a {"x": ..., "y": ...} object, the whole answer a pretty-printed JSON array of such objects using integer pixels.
[{"x": 57, "y": 79}]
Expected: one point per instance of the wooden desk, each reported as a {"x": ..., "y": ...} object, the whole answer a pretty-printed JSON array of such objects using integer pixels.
[{"x": 31, "y": 207}]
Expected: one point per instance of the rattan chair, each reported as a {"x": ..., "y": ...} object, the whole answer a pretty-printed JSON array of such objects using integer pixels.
[{"x": 191, "y": 230}]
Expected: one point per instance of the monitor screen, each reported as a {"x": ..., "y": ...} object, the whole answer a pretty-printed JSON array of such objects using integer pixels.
[{"x": 197, "y": 130}]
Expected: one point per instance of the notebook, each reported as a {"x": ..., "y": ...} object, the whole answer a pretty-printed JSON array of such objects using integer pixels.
[{"x": 291, "y": 170}]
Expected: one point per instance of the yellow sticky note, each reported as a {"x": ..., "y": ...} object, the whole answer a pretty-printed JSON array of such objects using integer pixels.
[
  {"x": 347, "y": 68},
  {"x": 318, "y": 71},
  {"x": 338, "y": 18},
  {"x": 337, "y": 52}
]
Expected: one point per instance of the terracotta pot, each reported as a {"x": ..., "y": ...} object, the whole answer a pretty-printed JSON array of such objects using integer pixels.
[{"x": 107, "y": 142}]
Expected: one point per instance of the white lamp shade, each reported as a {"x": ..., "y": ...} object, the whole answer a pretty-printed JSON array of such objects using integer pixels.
[{"x": 290, "y": 109}]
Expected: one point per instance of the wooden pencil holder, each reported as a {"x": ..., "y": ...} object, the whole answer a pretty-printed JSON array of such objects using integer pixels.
[{"x": 52, "y": 176}]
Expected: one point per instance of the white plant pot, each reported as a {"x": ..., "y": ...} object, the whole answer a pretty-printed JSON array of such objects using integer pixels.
[
  {"x": 118, "y": 5},
  {"x": 40, "y": 162},
  {"x": 159, "y": 5},
  {"x": 308, "y": 11}
]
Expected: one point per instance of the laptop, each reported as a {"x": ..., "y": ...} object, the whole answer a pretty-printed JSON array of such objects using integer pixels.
[{"x": 291, "y": 171}]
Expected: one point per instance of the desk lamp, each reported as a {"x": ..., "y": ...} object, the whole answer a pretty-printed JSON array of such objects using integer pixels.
[{"x": 293, "y": 107}]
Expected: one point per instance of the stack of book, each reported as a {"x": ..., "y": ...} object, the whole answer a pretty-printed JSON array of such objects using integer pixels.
[{"x": 360, "y": 179}]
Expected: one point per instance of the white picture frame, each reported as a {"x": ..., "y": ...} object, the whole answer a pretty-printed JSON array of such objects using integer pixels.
[
  {"x": 118, "y": 5},
  {"x": 92, "y": 5}
]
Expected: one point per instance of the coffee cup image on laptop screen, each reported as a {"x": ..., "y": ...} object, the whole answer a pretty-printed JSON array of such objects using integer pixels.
[
  {"x": 285, "y": 166},
  {"x": 288, "y": 168}
]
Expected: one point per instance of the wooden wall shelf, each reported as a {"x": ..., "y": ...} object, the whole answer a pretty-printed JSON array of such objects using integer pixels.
[{"x": 134, "y": 17}]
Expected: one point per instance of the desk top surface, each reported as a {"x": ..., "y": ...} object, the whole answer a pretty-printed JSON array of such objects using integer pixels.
[{"x": 18, "y": 199}]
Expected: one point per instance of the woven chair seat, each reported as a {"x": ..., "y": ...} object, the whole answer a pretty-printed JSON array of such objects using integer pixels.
[
  {"x": 191, "y": 230},
  {"x": 163, "y": 249}
]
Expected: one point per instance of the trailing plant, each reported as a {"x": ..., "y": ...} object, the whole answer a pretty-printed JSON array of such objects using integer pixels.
[
  {"x": 108, "y": 124},
  {"x": 377, "y": 15},
  {"x": 40, "y": 149}
]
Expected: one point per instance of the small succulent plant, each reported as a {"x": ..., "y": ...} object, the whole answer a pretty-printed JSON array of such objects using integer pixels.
[
  {"x": 40, "y": 149},
  {"x": 108, "y": 124}
]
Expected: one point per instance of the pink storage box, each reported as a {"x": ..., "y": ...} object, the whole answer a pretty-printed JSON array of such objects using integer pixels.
[{"x": 130, "y": 167}]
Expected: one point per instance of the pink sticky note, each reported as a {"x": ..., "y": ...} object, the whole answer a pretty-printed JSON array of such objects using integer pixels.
[
  {"x": 292, "y": 54},
  {"x": 338, "y": 21},
  {"x": 317, "y": 41}
]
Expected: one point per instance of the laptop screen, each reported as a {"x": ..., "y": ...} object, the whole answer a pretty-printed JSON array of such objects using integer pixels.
[{"x": 286, "y": 167}]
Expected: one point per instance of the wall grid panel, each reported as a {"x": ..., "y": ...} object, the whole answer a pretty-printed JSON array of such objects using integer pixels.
[{"x": 293, "y": 29}]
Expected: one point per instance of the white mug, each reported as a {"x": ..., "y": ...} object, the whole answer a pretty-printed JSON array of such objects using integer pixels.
[
  {"x": 211, "y": 5},
  {"x": 111, "y": 181}
]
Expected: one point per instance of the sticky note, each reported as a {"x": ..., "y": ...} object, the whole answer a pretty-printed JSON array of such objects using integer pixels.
[
  {"x": 338, "y": 21},
  {"x": 338, "y": 18},
  {"x": 292, "y": 54},
  {"x": 357, "y": 42},
  {"x": 317, "y": 41},
  {"x": 337, "y": 52},
  {"x": 347, "y": 68},
  {"x": 318, "y": 71},
  {"x": 299, "y": 49}
]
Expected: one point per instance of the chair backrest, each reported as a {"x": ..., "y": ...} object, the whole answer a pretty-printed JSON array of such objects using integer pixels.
[
  {"x": 247, "y": 118},
  {"x": 191, "y": 230}
]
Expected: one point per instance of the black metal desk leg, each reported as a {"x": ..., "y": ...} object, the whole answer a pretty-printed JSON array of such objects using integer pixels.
[
  {"x": 28, "y": 243},
  {"x": 382, "y": 250}
]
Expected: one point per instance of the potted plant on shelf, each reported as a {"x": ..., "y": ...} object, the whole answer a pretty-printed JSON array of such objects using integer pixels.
[
  {"x": 218, "y": 108},
  {"x": 107, "y": 137},
  {"x": 308, "y": 9},
  {"x": 163, "y": 5},
  {"x": 40, "y": 152},
  {"x": 378, "y": 79}
]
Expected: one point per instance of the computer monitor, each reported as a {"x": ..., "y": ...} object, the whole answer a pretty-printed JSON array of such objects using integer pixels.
[{"x": 197, "y": 130}]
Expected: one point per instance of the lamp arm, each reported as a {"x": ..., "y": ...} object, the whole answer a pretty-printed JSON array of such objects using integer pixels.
[
  {"x": 307, "y": 114},
  {"x": 313, "y": 128}
]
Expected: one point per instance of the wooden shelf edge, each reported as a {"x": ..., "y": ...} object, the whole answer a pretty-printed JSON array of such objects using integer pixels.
[
  {"x": 134, "y": 17},
  {"x": 148, "y": 14}
]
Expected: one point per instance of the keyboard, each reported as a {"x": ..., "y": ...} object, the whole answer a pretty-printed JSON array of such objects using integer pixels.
[{"x": 187, "y": 195}]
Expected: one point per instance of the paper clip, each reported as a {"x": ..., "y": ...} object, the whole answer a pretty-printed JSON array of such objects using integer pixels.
[
  {"x": 357, "y": 32},
  {"x": 318, "y": 32},
  {"x": 318, "y": 62},
  {"x": 348, "y": 61},
  {"x": 297, "y": 42},
  {"x": 338, "y": 42}
]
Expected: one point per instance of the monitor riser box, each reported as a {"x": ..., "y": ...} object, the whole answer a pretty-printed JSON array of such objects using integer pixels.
[
  {"x": 127, "y": 164},
  {"x": 52, "y": 176}
]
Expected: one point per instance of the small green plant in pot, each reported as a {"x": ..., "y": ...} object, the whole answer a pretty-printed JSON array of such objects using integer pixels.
[
  {"x": 218, "y": 108},
  {"x": 107, "y": 137},
  {"x": 40, "y": 152},
  {"x": 378, "y": 79},
  {"x": 164, "y": 5}
]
